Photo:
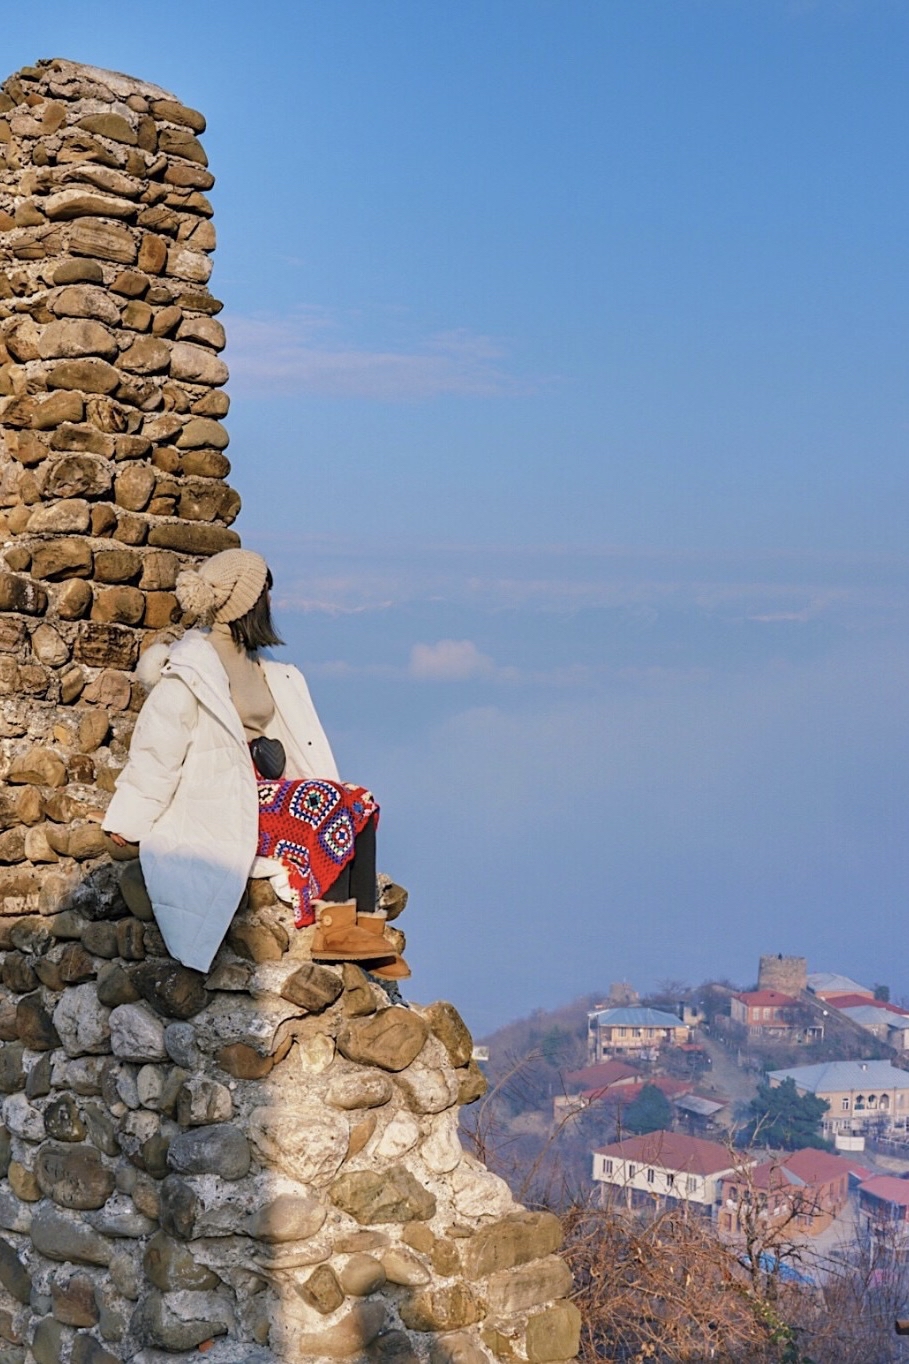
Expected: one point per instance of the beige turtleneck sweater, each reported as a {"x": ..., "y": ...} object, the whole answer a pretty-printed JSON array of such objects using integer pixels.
[{"x": 248, "y": 687}]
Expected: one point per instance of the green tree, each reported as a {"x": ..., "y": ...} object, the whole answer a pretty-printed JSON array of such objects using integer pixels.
[
  {"x": 780, "y": 1116},
  {"x": 651, "y": 1111},
  {"x": 882, "y": 992}
]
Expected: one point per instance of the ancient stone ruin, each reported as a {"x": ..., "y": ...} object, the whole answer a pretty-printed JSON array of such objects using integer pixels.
[{"x": 263, "y": 1164}]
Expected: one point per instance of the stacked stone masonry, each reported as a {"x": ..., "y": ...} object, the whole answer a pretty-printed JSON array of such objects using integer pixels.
[{"x": 264, "y": 1162}]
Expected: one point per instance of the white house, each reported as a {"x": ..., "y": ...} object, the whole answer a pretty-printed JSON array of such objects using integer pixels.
[{"x": 664, "y": 1166}]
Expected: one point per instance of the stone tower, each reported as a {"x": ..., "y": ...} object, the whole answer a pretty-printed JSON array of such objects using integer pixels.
[
  {"x": 789, "y": 975},
  {"x": 265, "y": 1161}
]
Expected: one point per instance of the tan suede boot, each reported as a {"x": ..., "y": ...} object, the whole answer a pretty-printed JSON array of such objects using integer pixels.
[
  {"x": 338, "y": 938},
  {"x": 396, "y": 968}
]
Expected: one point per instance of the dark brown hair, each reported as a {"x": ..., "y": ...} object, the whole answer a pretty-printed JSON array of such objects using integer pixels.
[{"x": 256, "y": 630}]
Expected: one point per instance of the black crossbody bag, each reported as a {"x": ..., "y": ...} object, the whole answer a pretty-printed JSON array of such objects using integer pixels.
[{"x": 269, "y": 757}]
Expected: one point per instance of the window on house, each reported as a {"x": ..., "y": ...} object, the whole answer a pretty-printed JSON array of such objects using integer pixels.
[
  {"x": 632, "y": 1170},
  {"x": 845, "y": 1103},
  {"x": 691, "y": 1184},
  {"x": 766, "y": 1013},
  {"x": 607, "y": 1167},
  {"x": 650, "y": 1176},
  {"x": 859, "y": 1102}
]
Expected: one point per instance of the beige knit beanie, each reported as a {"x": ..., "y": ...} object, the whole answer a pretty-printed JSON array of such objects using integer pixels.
[{"x": 225, "y": 587}]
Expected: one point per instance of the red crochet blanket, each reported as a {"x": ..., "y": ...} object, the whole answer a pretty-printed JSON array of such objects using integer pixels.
[{"x": 310, "y": 826}]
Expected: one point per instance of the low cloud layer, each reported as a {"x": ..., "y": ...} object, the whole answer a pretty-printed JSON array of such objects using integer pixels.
[{"x": 317, "y": 353}]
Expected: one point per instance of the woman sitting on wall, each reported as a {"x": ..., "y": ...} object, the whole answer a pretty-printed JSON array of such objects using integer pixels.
[{"x": 230, "y": 775}]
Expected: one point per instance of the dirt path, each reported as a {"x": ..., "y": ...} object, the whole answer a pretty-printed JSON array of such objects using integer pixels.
[{"x": 740, "y": 1086}]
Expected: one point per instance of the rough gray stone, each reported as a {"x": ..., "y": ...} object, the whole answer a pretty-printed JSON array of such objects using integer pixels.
[
  {"x": 73, "y": 1176},
  {"x": 180, "y": 1041},
  {"x": 179, "y": 1206},
  {"x": 554, "y": 1334},
  {"x": 362, "y": 1275},
  {"x": 442, "y": 1308},
  {"x": 14, "y": 1214},
  {"x": 12, "y": 1072},
  {"x": 47, "y": 1342},
  {"x": 441, "y": 1149},
  {"x": 87, "y": 1350},
  {"x": 313, "y": 987},
  {"x": 391, "y": 1039},
  {"x": 180, "y": 1321},
  {"x": 392, "y": 1195},
  {"x": 14, "y": 1277},
  {"x": 452, "y": 1032},
  {"x": 222, "y": 1150},
  {"x": 137, "y": 1034},
  {"x": 517, "y": 1290},
  {"x": 115, "y": 986},
  {"x": 202, "y": 1100},
  {"x": 82, "y": 1074},
  {"x": 82, "y": 1022},
  {"x": 513, "y": 1240},
  {"x": 197, "y": 364},
  {"x": 289, "y": 1217},
  {"x": 63, "y": 1236},
  {"x": 22, "y": 1119},
  {"x": 308, "y": 1142},
  {"x": 356, "y": 1089},
  {"x": 403, "y": 1267},
  {"x": 428, "y": 1089},
  {"x": 400, "y": 1136},
  {"x": 119, "y": 1218},
  {"x": 170, "y": 1266},
  {"x": 62, "y": 1121},
  {"x": 171, "y": 989},
  {"x": 322, "y": 1290}
]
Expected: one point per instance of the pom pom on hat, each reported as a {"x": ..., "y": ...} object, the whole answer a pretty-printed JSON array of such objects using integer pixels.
[{"x": 225, "y": 587}]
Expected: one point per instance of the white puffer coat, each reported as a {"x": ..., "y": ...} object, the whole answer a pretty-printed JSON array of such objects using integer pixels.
[{"x": 188, "y": 797}]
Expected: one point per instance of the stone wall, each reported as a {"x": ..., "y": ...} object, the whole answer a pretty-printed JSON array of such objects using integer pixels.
[
  {"x": 264, "y": 1162},
  {"x": 789, "y": 975}
]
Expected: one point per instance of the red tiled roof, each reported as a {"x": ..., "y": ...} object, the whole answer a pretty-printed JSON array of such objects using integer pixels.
[
  {"x": 770, "y": 1175},
  {"x": 859, "y": 1001},
  {"x": 815, "y": 1167},
  {"x": 675, "y": 1151},
  {"x": 754, "y": 998},
  {"x": 601, "y": 1076},
  {"x": 887, "y": 1187},
  {"x": 859, "y": 1172},
  {"x": 810, "y": 1167},
  {"x": 626, "y": 1094}
]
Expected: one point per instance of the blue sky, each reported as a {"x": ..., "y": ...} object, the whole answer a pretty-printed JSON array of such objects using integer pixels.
[{"x": 568, "y": 343}]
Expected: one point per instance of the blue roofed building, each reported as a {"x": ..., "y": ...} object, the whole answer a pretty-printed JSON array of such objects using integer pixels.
[{"x": 638, "y": 1032}]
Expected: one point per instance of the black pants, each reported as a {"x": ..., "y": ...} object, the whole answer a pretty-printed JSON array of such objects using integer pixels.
[{"x": 358, "y": 879}]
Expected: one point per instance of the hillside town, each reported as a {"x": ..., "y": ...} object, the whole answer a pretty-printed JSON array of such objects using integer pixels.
[
  {"x": 674, "y": 1100},
  {"x": 833, "y": 1039}
]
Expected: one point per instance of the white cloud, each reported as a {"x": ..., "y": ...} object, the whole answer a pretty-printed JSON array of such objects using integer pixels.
[
  {"x": 312, "y": 352},
  {"x": 344, "y": 576},
  {"x": 450, "y": 660}
]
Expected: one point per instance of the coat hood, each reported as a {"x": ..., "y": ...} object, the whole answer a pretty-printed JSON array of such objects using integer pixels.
[{"x": 195, "y": 662}]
